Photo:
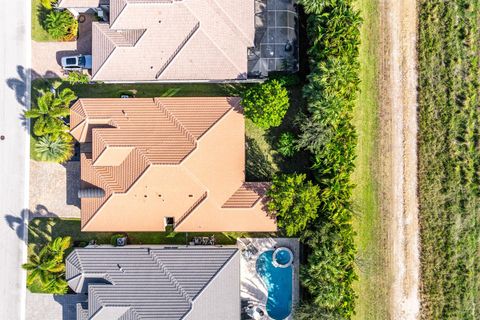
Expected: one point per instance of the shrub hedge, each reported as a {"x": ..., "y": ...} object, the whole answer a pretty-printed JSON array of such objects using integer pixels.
[{"x": 327, "y": 132}]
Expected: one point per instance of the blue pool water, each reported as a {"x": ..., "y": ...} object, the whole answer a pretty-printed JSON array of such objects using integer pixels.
[{"x": 278, "y": 282}]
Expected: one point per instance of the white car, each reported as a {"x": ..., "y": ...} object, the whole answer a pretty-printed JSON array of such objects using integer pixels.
[{"x": 77, "y": 62}]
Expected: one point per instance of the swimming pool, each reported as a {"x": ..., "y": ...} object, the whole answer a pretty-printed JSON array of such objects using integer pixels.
[{"x": 278, "y": 281}]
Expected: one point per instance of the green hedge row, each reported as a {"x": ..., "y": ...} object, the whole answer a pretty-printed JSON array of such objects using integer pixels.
[{"x": 327, "y": 132}]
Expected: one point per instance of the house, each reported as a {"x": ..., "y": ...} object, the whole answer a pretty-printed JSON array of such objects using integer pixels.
[
  {"x": 165, "y": 40},
  {"x": 150, "y": 164},
  {"x": 156, "y": 283},
  {"x": 81, "y": 6}
]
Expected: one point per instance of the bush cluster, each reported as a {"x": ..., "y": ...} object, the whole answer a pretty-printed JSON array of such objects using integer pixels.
[
  {"x": 60, "y": 24},
  {"x": 266, "y": 104},
  {"x": 327, "y": 132}
]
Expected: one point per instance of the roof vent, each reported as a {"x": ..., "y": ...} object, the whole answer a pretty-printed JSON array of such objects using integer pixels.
[{"x": 120, "y": 267}]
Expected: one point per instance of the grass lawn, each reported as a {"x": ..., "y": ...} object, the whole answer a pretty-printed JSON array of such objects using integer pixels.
[
  {"x": 38, "y": 33},
  {"x": 262, "y": 161},
  {"x": 372, "y": 286}
]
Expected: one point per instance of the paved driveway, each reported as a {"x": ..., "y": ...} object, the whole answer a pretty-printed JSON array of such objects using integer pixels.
[
  {"x": 54, "y": 188},
  {"x": 51, "y": 307},
  {"x": 47, "y": 55}
]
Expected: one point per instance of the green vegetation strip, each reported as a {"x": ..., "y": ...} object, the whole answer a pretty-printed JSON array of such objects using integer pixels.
[
  {"x": 328, "y": 134},
  {"x": 373, "y": 274},
  {"x": 449, "y": 158}
]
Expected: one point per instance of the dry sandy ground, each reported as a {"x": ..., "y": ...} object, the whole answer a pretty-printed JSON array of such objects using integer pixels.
[{"x": 398, "y": 130}]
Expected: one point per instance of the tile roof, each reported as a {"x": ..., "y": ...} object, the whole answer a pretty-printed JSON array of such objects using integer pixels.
[
  {"x": 133, "y": 283},
  {"x": 173, "y": 40},
  {"x": 167, "y": 157},
  {"x": 80, "y": 3}
]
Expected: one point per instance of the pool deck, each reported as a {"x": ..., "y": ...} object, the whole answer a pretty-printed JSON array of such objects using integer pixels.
[{"x": 252, "y": 288}]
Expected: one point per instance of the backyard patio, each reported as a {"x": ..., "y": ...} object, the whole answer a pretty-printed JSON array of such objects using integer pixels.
[{"x": 254, "y": 292}]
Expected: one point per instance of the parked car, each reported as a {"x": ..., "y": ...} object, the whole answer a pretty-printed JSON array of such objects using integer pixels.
[{"x": 77, "y": 62}]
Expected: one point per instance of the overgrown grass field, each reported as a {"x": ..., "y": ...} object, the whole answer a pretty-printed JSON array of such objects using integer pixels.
[{"x": 449, "y": 158}]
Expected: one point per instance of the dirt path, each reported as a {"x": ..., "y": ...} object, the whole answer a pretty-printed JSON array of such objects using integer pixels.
[{"x": 398, "y": 172}]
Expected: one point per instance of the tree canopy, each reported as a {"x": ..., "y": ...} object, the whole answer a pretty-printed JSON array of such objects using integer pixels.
[
  {"x": 294, "y": 200},
  {"x": 266, "y": 104}
]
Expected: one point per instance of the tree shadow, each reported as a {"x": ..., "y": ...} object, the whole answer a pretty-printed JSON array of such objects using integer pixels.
[
  {"x": 257, "y": 166},
  {"x": 18, "y": 223},
  {"x": 20, "y": 84}
]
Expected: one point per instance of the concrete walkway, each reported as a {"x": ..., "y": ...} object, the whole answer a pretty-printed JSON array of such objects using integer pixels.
[{"x": 15, "y": 26}]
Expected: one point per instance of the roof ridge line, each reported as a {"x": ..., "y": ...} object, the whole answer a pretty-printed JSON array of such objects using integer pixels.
[
  {"x": 223, "y": 52},
  {"x": 176, "y": 122},
  {"x": 178, "y": 49},
  {"x": 109, "y": 55},
  {"x": 216, "y": 274},
  {"x": 172, "y": 278},
  {"x": 231, "y": 23},
  {"x": 125, "y": 3}
]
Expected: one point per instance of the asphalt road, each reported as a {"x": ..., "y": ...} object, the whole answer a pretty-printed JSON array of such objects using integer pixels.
[{"x": 14, "y": 84}]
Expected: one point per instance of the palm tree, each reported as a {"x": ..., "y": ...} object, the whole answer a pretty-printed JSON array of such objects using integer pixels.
[
  {"x": 48, "y": 267},
  {"x": 42, "y": 267},
  {"x": 58, "y": 23},
  {"x": 47, "y": 115},
  {"x": 54, "y": 149},
  {"x": 60, "y": 245},
  {"x": 58, "y": 285},
  {"x": 66, "y": 96}
]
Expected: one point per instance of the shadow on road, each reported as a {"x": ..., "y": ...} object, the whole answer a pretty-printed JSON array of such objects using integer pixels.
[
  {"x": 18, "y": 223},
  {"x": 19, "y": 84}
]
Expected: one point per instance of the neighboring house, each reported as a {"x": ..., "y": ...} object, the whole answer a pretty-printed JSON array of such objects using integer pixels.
[
  {"x": 156, "y": 283},
  {"x": 151, "y": 163},
  {"x": 170, "y": 40},
  {"x": 80, "y": 6}
]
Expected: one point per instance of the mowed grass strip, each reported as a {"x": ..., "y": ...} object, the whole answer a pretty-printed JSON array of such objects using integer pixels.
[
  {"x": 373, "y": 273},
  {"x": 449, "y": 158}
]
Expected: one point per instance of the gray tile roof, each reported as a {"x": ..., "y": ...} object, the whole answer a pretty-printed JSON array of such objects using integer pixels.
[{"x": 133, "y": 283}]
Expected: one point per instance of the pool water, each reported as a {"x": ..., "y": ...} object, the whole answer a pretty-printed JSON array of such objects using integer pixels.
[
  {"x": 278, "y": 282},
  {"x": 283, "y": 257}
]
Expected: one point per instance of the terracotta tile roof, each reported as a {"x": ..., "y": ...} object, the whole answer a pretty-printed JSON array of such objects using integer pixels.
[
  {"x": 166, "y": 157},
  {"x": 247, "y": 195},
  {"x": 173, "y": 40}
]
